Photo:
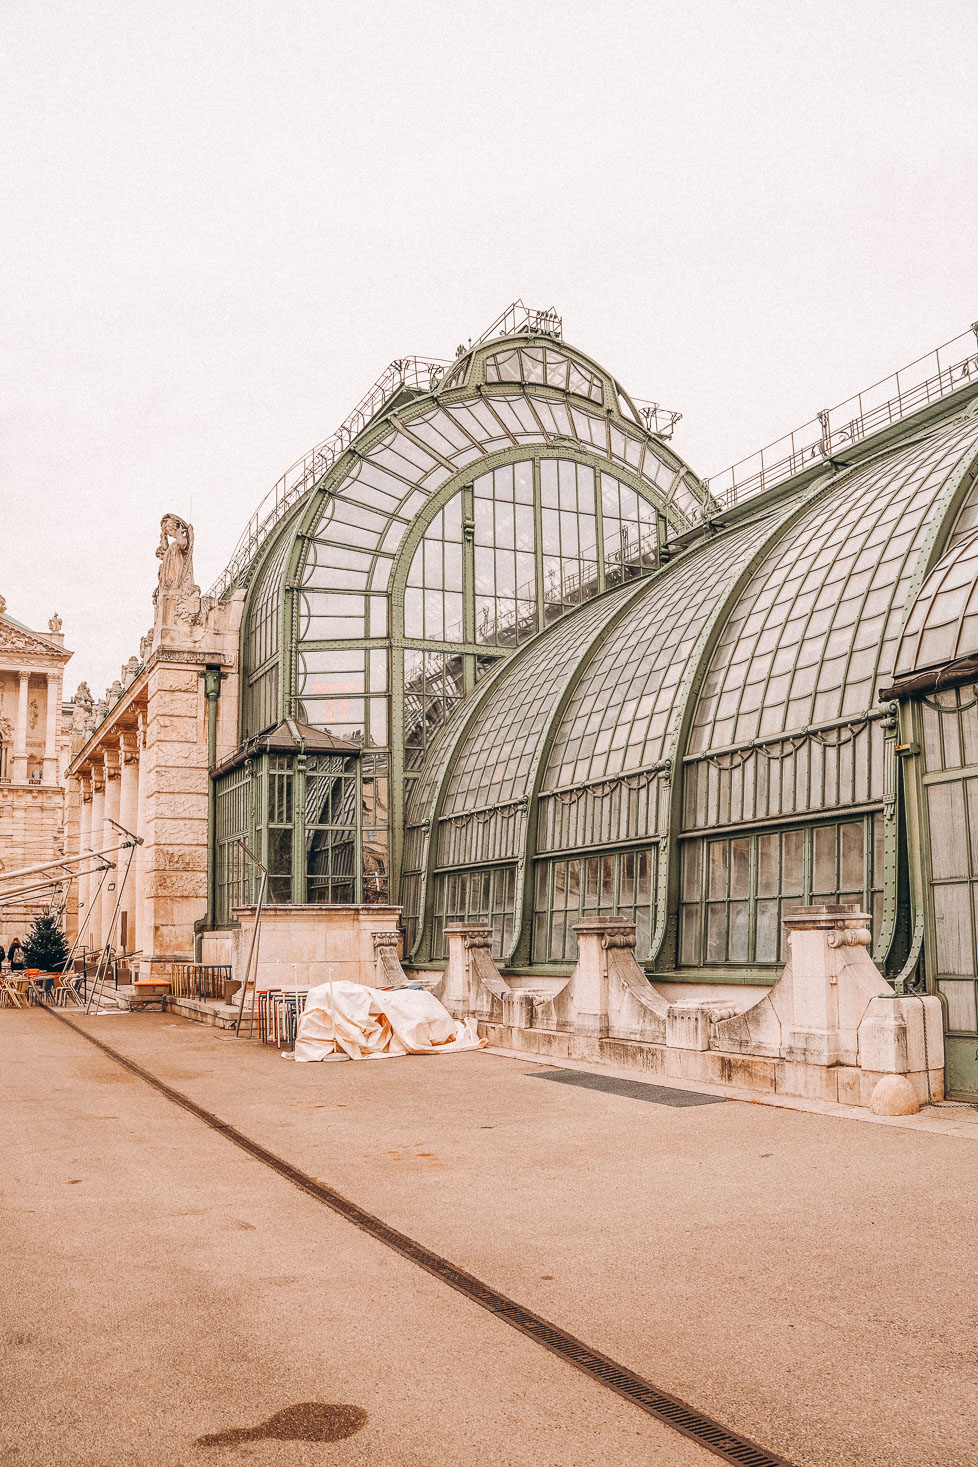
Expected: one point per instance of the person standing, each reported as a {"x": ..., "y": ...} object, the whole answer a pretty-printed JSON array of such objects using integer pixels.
[{"x": 16, "y": 956}]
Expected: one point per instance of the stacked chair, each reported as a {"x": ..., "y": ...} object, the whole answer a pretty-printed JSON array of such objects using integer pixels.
[{"x": 279, "y": 1012}]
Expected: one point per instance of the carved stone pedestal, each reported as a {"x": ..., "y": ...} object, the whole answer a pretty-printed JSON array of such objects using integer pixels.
[{"x": 473, "y": 985}]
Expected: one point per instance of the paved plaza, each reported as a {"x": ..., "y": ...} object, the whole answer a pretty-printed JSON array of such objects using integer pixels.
[{"x": 806, "y": 1278}]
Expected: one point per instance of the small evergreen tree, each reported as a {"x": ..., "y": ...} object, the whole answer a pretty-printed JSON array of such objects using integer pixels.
[{"x": 45, "y": 946}]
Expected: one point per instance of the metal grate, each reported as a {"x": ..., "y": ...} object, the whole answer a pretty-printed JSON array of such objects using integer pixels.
[
  {"x": 631, "y": 1089},
  {"x": 682, "y": 1417}
]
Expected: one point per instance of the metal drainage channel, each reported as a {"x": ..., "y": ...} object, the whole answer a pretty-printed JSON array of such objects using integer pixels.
[{"x": 682, "y": 1417}]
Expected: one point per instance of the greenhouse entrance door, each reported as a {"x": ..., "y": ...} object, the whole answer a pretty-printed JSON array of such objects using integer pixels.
[
  {"x": 949, "y": 723},
  {"x": 952, "y": 816}
]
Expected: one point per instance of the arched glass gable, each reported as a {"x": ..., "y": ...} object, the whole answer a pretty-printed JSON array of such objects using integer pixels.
[{"x": 458, "y": 523}]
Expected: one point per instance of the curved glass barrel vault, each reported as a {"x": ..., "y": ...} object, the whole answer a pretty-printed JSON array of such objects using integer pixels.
[{"x": 702, "y": 749}]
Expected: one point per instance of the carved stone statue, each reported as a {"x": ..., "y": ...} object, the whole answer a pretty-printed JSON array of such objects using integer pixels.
[
  {"x": 55, "y": 624},
  {"x": 176, "y": 597},
  {"x": 146, "y": 645},
  {"x": 113, "y": 694},
  {"x": 83, "y": 703},
  {"x": 3, "y": 605},
  {"x": 130, "y": 670}
]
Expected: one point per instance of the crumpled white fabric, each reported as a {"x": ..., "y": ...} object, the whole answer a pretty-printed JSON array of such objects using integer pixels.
[{"x": 348, "y": 1020}]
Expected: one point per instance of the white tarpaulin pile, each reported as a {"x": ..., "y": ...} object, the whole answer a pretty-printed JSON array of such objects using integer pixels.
[{"x": 351, "y": 1021}]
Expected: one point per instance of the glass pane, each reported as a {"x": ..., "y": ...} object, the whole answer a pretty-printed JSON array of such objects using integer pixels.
[
  {"x": 768, "y": 931},
  {"x": 716, "y": 932},
  {"x": 952, "y": 915},
  {"x": 718, "y": 868},
  {"x": 739, "y": 868},
  {"x": 962, "y": 1017},
  {"x": 689, "y": 941},
  {"x": 793, "y": 863},
  {"x": 737, "y": 948},
  {"x": 691, "y": 888},
  {"x": 852, "y": 857},
  {"x": 768, "y": 849},
  {"x": 823, "y": 864},
  {"x": 948, "y": 832}
]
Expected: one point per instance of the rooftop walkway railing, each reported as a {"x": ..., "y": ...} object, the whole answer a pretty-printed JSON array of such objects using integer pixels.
[
  {"x": 833, "y": 430},
  {"x": 421, "y": 373},
  {"x": 929, "y": 378}
]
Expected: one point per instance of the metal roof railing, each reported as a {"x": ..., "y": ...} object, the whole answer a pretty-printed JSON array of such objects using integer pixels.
[
  {"x": 518, "y": 320},
  {"x": 931, "y": 377},
  {"x": 421, "y": 373}
]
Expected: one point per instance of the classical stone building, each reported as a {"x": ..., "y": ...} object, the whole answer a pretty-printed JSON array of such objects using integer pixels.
[
  {"x": 495, "y": 657},
  {"x": 34, "y": 751},
  {"x": 141, "y": 764}
]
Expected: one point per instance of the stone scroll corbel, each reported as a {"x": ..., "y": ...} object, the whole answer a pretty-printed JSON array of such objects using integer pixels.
[
  {"x": 474, "y": 986},
  {"x": 608, "y": 991},
  {"x": 388, "y": 972}
]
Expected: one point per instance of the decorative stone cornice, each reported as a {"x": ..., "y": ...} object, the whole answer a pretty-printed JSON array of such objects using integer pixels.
[
  {"x": 195, "y": 657},
  {"x": 30, "y": 650}
]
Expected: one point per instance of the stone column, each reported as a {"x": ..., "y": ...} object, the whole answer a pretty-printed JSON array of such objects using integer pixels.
[
  {"x": 84, "y": 844},
  {"x": 113, "y": 791},
  {"x": 98, "y": 841},
  {"x": 832, "y": 978},
  {"x": 142, "y": 932},
  {"x": 590, "y": 978},
  {"x": 128, "y": 817},
  {"x": 20, "y": 732},
  {"x": 50, "y": 771}
]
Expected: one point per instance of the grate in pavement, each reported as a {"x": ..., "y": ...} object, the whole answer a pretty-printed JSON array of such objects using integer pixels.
[{"x": 631, "y": 1089}]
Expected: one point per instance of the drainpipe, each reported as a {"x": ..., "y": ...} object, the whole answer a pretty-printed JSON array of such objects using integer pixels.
[{"x": 212, "y": 691}]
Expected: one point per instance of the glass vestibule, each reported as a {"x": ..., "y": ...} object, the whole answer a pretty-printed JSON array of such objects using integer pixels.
[{"x": 316, "y": 820}]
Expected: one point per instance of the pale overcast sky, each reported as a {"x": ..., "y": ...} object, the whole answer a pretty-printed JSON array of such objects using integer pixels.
[{"x": 220, "y": 222}]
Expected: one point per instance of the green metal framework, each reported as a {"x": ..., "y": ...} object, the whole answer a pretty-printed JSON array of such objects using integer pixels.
[
  {"x": 306, "y": 816},
  {"x": 720, "y": 718},
  {"x": 577, "y": 681}
]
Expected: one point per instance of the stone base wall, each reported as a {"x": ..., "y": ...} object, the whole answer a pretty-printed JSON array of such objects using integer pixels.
[
  {"x": 830, "y": 1029},
  {"x": 301, "y": 947},
  {"x": 841, "y": 1084}
]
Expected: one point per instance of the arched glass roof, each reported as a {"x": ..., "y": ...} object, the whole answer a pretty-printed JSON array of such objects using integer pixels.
[
  {"x": 819, "y": 623},
  {"x": 807, "y": 640},
  {"x": 943, "y": 624},
  {"x": 399, "y": 486},
  {"x": 496, "y": 756},
  {"x": 622, "y": 711}
]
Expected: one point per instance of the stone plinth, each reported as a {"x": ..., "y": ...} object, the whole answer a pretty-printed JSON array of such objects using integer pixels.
[
  {"x": 473, "y": 985},
  {"x": 301, "y": 947},
  {"x": 608, "y": 992}
]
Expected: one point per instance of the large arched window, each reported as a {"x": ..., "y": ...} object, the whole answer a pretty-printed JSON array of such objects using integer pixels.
[{"x": 506, "y": 556}]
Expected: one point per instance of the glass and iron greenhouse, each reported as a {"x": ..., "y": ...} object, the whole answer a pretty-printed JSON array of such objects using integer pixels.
[{"x": 506, "y": 657}]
